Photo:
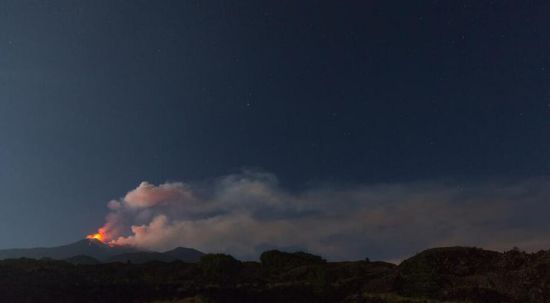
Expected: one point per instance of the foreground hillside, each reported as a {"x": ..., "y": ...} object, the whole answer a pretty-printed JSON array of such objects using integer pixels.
[{"x": 454, "y": 274}]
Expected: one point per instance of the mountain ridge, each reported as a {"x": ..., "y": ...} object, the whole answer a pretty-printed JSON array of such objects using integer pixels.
[{"x": 102, "y": 252}]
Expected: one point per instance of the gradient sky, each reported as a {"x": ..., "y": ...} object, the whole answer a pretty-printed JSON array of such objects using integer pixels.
[{"x": 98, "y": 96}]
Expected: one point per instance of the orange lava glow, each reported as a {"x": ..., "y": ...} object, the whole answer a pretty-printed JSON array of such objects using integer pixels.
[
  {"x": 100, "y": 236},
  {"x": 95, "y": 236}
]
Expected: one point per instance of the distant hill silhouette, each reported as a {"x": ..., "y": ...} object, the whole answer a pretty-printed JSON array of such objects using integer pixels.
[
  {"x": 82, "y": 260},
  {"x": 141, "y": 257},
  {"x": 185, "y": 254},
  {"x": 88, "y": 247},
  {"x": 87, "y": 251}
]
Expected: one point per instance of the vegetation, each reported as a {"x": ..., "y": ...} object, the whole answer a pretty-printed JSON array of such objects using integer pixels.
[
  {"x": 455, "y": 274},
  {"x": 220, "y": 267},
  {"x": 277, "y": 260}
]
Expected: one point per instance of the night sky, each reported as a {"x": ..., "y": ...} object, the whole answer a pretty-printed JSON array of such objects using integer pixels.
[{"x": 398, "y": 99}]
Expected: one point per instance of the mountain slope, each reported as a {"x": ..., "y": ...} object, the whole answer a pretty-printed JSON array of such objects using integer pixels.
[
  {"x": 95, "y": 249},
  {"x": 82, "y": 260},
  {"x": 88, "y": 247},
  {"x": 141, "y": 257},
  {"x": 185, "y": 254}
]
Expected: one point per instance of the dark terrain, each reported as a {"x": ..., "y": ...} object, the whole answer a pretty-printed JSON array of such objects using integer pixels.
[{"x": 454, "y": 274}]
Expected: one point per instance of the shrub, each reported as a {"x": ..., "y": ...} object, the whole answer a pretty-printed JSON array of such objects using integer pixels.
[
  {"x": 278, "y": 260},
  {"x": 219, "y": 265}
]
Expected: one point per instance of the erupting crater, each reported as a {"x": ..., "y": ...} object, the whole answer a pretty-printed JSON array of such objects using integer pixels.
[{"x": 100, "y": 236}]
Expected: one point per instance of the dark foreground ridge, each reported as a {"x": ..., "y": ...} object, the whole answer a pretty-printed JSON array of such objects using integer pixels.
[{"x": 454, "y": 274}]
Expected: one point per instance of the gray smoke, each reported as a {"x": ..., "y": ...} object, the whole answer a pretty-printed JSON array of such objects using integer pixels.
[{"x": 245, "y": 214}]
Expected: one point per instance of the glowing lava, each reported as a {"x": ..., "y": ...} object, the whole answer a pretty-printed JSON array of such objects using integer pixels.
[
  {"x": 97, "y": 236},
  {"x": 100, "y": 236}
]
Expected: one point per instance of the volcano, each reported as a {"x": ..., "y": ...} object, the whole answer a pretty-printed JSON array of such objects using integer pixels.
[
  {"x": 96, "y": 249},
  {"x": 88, "y": 247}
]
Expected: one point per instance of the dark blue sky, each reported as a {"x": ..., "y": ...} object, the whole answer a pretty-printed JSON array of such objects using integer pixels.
[{"x": 97, "y": 96}]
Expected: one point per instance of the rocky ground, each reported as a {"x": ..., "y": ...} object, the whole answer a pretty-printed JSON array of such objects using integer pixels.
[{"x": 455, "y": 274}]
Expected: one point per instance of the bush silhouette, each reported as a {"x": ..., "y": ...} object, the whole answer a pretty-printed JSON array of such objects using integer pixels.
[
  {"x": 278, "y": 260},
  {"x": 219, "y": 265}
]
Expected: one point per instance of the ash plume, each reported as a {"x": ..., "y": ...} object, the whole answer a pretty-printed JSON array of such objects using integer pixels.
[{"x": 244, "y": 214}]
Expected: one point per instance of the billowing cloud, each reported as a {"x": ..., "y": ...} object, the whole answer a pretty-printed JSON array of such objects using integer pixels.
[
  {"x": 244, "y": 214},
  {"x": 149, "y": 195}
]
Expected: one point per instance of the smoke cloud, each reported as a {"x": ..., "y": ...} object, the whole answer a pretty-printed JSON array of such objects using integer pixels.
[{"x": 247, "y": 213}]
